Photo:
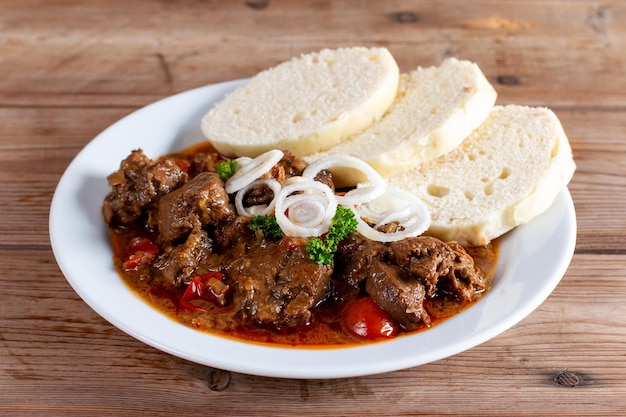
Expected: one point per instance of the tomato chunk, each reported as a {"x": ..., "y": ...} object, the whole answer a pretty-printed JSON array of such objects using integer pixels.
[
  {"x": 366, "y": 320},
  {"x": 140, "y": 251},
  {"x": 205, "y": 287}
]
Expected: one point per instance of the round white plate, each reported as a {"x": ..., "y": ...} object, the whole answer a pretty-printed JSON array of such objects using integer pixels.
[{"x": 533, "y": 258}]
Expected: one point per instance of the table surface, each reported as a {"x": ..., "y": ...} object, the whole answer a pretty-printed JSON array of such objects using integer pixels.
[{"x": 70, "y": 69}]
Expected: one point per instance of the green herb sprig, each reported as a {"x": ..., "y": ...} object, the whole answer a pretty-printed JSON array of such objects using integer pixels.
[
  {"x": 226, "y": 169},
  {"x": 322, "y": 250},
  {"x": 266, "y": 225}
]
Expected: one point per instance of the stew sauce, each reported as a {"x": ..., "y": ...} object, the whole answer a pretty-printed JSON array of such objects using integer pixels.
[{"x": 208, "y": 301}]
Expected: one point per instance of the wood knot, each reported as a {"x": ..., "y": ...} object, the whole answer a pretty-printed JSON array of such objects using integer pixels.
[
  {"x": 568, "y": 379},
  {"x": 258, "y": 4},
  {"x": 597, "y": 18},
  {"x": 404, "y": 17},
  {"x": 219, "y": 380},
  {"x": 508, "y": 80}
]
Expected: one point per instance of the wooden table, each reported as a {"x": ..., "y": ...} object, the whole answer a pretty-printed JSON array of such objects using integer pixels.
[{"x": 70, "y": 69}]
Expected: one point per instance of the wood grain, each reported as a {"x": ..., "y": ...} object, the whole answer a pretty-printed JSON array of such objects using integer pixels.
[{"x": 70, "y": 69}]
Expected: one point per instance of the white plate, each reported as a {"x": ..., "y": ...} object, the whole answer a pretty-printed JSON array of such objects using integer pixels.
[{"x": 533, "y": 258}]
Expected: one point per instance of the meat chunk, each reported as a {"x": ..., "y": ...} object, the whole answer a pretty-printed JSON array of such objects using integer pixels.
[
  {"x": 425, "y": 257},
  {"x": 398, "y": 293},
  {"x": 289, "y": 166},
  {"x": 178, "y": 263},
  {"x": 234, "y": 233},
  {"x": 445, "y": 268},
  {"x": 277, "y": 285},
  {"x": 401, "y": 276},
  {"x": 204, "y": 162},
  {"x": 201, "y": 201},
  {"x": 137, "y": 185},
  {"x": 464, "y": 279},
  {"x": 303, "y": 284},
  {"x": 355, "y": 256}
]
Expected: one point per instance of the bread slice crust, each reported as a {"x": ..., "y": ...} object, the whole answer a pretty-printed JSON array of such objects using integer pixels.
[
  {"x": 305, "y": 105},
  {"x": 504, "y": 174}
]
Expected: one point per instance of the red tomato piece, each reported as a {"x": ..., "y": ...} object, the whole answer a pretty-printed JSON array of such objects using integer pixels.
[
  {"x": 143, "y": 244},
  {"x": 206, "y": 287},
  {"x": 366, "y": 320},
  {"x": 140, "y": 250}
]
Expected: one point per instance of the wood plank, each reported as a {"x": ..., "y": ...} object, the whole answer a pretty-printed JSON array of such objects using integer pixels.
[
  {"x": 36, "y": 145},
  {"x": 101, "y": 55}
]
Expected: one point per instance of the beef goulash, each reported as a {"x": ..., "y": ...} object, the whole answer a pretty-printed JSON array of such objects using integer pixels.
[{"x": 180, "y": 243}]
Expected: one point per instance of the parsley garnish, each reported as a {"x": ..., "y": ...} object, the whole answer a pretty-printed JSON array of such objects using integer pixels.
[
  {"x": 226, "y": 169},
  {"x": 266, "y": 225},
  {"x": 322, "y": 250}
]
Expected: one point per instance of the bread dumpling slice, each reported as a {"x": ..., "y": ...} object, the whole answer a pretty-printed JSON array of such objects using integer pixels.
[
  {"x": 504, "y": 174},
  {"x": 305, "y": 105},
  {"x": 435, "y": 109}
]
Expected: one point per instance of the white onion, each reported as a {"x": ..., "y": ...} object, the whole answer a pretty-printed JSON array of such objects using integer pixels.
[
  {"x": 243, "y": 161},
  {"x": 251, "y": 170},
  {"x": 304, "y": 207},
  {"x": 306, "y": 212},
  {"x": 372, "y": 188},
  {"x": 395, "y": 205},
  {"x": 311, "y": 206},
  {"x": 396, "y": 216},
  {"x": 362, "y": 194},
  {"x": 293, "y": 180},
  {"x": 258, "y": 210}
]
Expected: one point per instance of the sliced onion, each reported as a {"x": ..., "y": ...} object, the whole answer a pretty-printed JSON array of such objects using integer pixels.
[
  {"x": 305, "y": 208},
  {"x": 252, "y": 170},
  {"x": 306, "y": 211},
  {"x": 261, "y": 209},
  {"x": 395, "y": 205},
  {"x": 293, "y": 180},
  {"x": 396, "y": 216},
  {"x": 243, "y": 161},
  {"x": 372, "y": 188},
  {"x": 362, "y": 194}
]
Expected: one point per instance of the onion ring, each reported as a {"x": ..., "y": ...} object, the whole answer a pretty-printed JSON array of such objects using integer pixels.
[
  {"x": 243, "y": 161},
  {"x": 395, "y": 205},
  {"x": 374, "y": 186},
  {"x": 362, "y": 194},
  {"x": 258, "y": 210},
  {"x": 314, "y": 204},
  {"x": 252, "y": 170}
]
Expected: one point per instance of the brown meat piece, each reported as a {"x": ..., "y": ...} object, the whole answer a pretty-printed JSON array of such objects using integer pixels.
[
  {"x": 425, "y": 257},
  {"x": 277, "y": 285},
  {"x": 354, "y": 257},
  {"x": 444, "y": 268},
  {"x": 178, "y": 264},
  {"x": 137, "y": 185},
  {"x": 401, "y": 275},
  {"x": 289, "y": 166},
  {"x": 234, "y": 233},
  {"x": 464, "y": 279},
  {"x": 201, "y": 201},
  {"x": 204, "y": 162},
  {"x": 398, "y": 293}
]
